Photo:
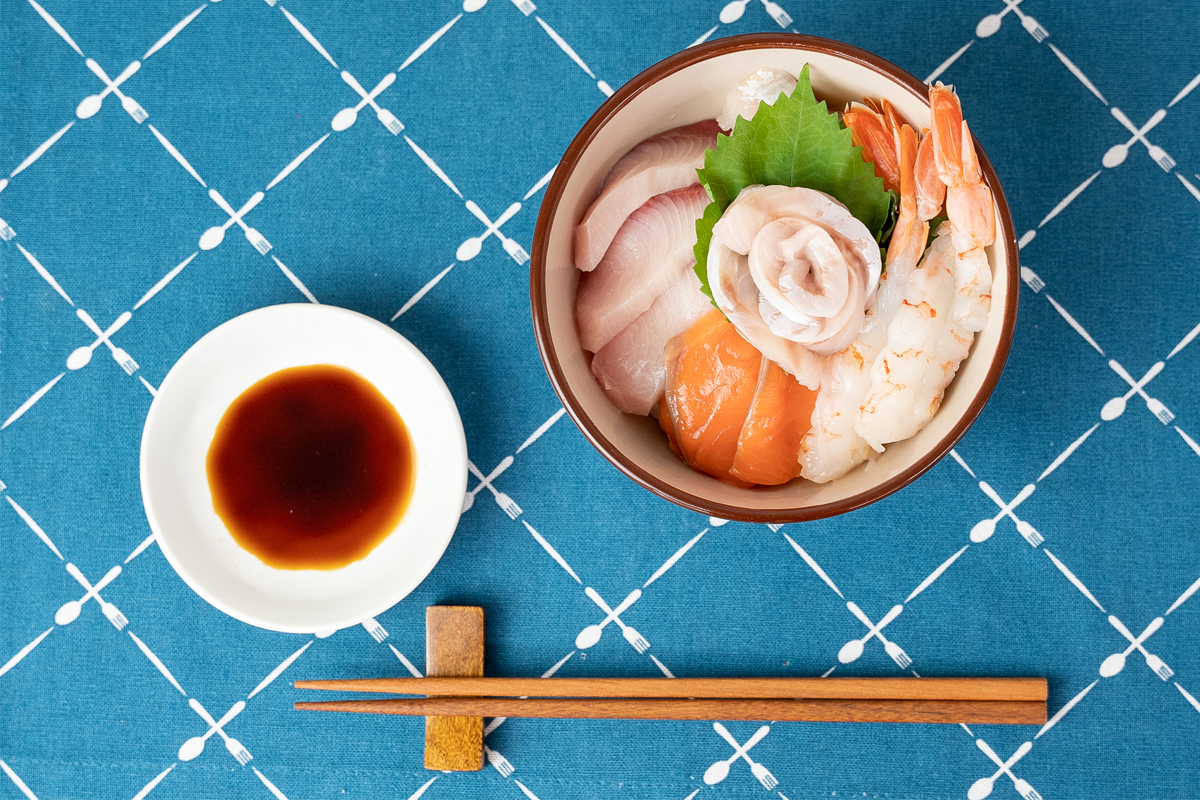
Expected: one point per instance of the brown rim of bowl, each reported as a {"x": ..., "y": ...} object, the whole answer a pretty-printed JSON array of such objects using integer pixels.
[{"x": 537, "y": 288}]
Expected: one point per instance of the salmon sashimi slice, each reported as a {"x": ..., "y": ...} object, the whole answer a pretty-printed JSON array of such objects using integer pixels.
[
  {"x": 768, "y": 450},
  {"x": 649, "y": 255},
  {"x": 712, "y": 374},
  {"x": 659, "y": 164},
  {"x": 630, "y": 367}
]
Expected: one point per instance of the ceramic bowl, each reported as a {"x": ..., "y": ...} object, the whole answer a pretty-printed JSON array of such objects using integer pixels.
[
  {"x": 685, "y": 88},
  {"x": 180, "y": 428}
]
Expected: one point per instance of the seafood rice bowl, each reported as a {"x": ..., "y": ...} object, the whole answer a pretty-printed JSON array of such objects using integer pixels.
[{"x": 797, "y": 283}]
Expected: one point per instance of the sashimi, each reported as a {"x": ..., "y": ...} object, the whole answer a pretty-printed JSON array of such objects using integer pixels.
[
  {"x": 659, "y": 164},
  {"x": 649, "y": 255},
  {"x": 794, "y": 270},
  {"x": 630, "y": 367},
  {"x": 712, "y": 374},
  {"x": 781, "y": 413}
]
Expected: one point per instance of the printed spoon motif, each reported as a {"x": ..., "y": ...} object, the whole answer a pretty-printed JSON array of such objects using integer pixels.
[{"x": 733, "y": 11}]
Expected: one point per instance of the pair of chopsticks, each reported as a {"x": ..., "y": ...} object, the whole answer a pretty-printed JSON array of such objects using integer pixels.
[{"x": 998, "y": 701}]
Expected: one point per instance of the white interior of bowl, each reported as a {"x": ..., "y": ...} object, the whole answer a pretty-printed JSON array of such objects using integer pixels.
[
  {"x": 180, "y": 428},
  {"x": 694, "y": 93}
]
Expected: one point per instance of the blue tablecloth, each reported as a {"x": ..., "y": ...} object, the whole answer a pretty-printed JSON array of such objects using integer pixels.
[{"x": 102, "y": 215}]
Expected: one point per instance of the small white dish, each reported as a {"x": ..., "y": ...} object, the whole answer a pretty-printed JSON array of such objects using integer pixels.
[{"x": 183, "y": 419}]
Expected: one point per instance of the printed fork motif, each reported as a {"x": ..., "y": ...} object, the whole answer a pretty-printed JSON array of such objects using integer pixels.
[
  {"x": 376, "y": 630},
  {"x": 118, "y": 353},
  {"x": 502, "y": 764},
  {"x": 898, "y": 655},
  {"x": 259, "y": 241},
  {"x": 781, "y": 17},
  {"x": 514, "y": 249},
  {"x": 1035, "y": 283},
  {"x": 1153, "y": 404},
  {"x": 506, "y": 503},
  {"x": 1031, "y": 535},
  {"x": 239, "y": 752},
  {"x": 125, "y": 360},
  {"x": 1156, "y": 664},
  {"x": 235, "y": 748},
  {"x": 1160, "y": 156},
  {"x": 768, "y": 781},
  {"x": 114, "y": 616},
  {"x": 1035, "y": 30},
  {"x": 634, "y": 638}
]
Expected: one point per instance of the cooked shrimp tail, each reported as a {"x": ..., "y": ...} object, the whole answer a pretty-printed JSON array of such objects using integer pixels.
[
  {"x": 968, "y": 200},
  {"x": 931, "y": 192},
  {"x": 911, "y": 233},
  {"x": 869, "y": 130}
]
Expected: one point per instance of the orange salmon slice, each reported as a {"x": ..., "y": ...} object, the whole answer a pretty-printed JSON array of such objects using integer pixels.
[
  {"x": 768, "y": 450},
  {"x": 712, "y": 375}
]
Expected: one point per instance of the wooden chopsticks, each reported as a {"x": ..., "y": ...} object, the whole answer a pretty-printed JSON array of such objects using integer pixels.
[{"x": 1016, "y": 701}]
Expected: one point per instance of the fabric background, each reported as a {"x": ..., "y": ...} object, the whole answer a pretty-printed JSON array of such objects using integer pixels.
[{"x": 100, "y": 215}]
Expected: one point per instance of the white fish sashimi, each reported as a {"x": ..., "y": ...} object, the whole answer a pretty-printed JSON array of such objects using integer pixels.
[
  {"x": 648, "y": 256},
  {"x": 660, "y": 164},
  {"x": 793, "y": 269},
  {"x": 630, "y": 368}
]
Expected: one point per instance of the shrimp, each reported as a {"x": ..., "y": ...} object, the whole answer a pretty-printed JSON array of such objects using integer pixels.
[
  {"x": 901, "y": 398},
  {"x": 945, "y": 299},
  {"x": 905, "y": 163},
  {"x": 869, "y": 130},
  {"x": 911, "y": 232},
  {"x": 969, "y": 206},
  {"x": 834, "y": 445},
  {"x": 931, "y": 192}
]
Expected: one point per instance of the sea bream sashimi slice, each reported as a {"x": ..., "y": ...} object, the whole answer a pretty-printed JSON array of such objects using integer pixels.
[
  {"x": 630, "y": 367},
  {"x": 659, "y": 164},
  {"x": 648, "y": 256}
]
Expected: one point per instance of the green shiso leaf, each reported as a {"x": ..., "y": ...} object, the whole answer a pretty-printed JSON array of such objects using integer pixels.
[
  {"x": 934, "y": 224},
  {"x": 704, "y": 231},
  {"x": 795, "y": 142}
]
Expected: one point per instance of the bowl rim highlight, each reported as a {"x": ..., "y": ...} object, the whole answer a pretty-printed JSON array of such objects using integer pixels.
[{"x": 539, "y": 300}]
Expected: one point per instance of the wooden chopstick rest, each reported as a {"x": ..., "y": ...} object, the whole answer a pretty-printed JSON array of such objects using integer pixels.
[{"x": 453, "y": 647}]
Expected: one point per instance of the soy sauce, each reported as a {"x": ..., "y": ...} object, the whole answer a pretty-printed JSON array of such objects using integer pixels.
[{"x": 311, "y": 468}]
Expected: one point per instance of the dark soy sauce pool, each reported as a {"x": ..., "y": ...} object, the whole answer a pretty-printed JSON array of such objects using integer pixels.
[{"x": 311, "y": 468}]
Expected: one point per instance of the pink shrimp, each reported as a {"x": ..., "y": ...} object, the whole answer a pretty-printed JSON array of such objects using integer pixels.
[
  {"x": 933, "y": 304},
  {"x": 968, "y": 200},
  {"x": 870, "y": 131},
  {"x": 969, "y": 205}
]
